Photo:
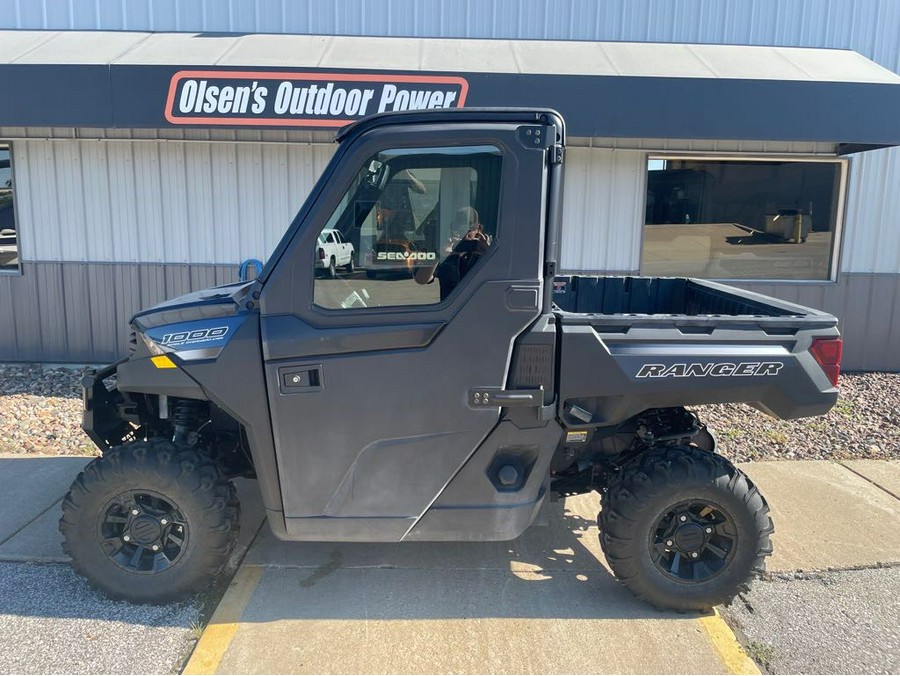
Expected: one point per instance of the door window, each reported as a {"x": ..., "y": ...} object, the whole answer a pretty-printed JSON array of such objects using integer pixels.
[{"x": 416, "y": 222}]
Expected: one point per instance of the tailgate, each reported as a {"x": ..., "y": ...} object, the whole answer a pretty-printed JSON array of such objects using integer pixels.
[{"x": 615, "y": 366}]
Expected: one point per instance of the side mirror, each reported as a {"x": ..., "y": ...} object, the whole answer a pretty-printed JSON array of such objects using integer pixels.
[{"x": 376, "y": 173}]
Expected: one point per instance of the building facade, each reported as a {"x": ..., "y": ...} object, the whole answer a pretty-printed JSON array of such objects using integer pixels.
[{"x": 111, "y": 219}]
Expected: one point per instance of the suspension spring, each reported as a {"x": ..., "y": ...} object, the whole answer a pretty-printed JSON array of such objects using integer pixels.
[{"x": 187, "y": 416}]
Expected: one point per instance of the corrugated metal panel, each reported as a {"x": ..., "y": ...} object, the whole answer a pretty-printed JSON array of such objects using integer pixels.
[
  {"x": 93, "y": 302},
  {"x": 144, "y": 201},
  {"x": 602, "y": 209},
  {"x": 79, "y": 312},
  {"x": 199, "y": 202},
  {"x": 705, "y": 145},
  {"x": 872, "y": 239},
  {"x": 868, "y": 307},
  {"x": 867, "y": 26}
]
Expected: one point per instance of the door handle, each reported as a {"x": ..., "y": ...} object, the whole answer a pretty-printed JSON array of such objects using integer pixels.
[
  {"x": 492, "y": 397},
  {"x": 296, "y": 379}
]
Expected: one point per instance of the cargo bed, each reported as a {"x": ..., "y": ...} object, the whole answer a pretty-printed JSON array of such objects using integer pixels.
[
  {"x": 614, "y": 300},
  {"x": 661, "y": 342}
]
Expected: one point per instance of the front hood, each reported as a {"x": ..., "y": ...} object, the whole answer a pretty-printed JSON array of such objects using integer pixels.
[
  {"x": 219, "y": 301},
  {"x": 197, "y": 325}
]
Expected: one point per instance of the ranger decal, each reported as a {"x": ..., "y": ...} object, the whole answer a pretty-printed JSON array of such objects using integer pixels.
[{"x": 747, "y": 368}]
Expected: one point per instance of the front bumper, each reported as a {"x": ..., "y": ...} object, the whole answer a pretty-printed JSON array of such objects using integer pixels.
[{"x": 101, "y": 416}]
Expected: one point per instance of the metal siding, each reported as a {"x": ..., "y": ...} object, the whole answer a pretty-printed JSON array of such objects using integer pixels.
[
  {"x": 245, "y": 218},
  {"x": 602, "y": 209},
  {"x": 93, "y": 302},
  {"x": 869, "y": 310},
  {"x": 173, "y": 202},
  {"x": 872, "y": 239},
  {"x": 866, "y": 26}
]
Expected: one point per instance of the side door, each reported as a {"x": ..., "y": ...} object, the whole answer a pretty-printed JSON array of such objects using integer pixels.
[{"x": 375, "y": 384}]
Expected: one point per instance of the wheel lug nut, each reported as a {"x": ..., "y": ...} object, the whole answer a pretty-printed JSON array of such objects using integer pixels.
[
  {"x": 708, "y": 531},
  {"x": 669, "y": 543},
  {"x": 166, "y": 521},
  {"x": 135, "y": 512},
  {"x": 127, "y": 538},
  {"x": 694, "y": 555},
  {"x": 156, "y": 549},
  {"x": 683, "y": 519}
]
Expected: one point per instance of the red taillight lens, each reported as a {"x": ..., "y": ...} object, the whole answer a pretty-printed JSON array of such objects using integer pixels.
[
  {"x": 827, "y": 352},
  {"x": 321, "y": 254}
]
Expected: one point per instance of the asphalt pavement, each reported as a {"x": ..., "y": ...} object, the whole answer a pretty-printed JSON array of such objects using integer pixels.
[
  {"x": 51, "y": 621},
  {"x": 842, "y": 622}
]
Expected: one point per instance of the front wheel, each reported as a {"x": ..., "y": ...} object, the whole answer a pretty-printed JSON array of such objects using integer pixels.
[
  {"x": 684, "y": 528},
  {"x": 150, "y": 522}
]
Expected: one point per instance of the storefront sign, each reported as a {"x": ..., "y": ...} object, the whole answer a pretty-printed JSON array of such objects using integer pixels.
[{"x": 302, "y": 99}]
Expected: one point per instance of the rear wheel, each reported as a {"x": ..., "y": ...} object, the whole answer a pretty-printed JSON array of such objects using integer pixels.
[
  {"x": 683, "y": 528},
  {"x": 150, "y": 522},
  {"x": 332, "y": 270}
]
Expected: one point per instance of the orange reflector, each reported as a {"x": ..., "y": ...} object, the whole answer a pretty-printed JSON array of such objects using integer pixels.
[{"x": 162, "y": 361}]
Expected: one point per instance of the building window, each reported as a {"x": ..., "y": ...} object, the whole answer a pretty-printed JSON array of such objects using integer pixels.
[
  {"x": 748, "y": 219},
  {"x": 412, "y": 225},
  {"x": 9, "y": 247}
]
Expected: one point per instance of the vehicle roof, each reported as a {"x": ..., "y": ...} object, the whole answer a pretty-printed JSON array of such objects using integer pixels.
[{"x": 453, "y": 115}]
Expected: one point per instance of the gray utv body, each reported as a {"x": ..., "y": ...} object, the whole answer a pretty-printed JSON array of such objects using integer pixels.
[{"x": 453, "y": 421}]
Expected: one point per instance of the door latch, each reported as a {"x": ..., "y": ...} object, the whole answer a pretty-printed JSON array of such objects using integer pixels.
[
  {"x": 294, "y": 379},
  {"x": 493, "y": 397}
]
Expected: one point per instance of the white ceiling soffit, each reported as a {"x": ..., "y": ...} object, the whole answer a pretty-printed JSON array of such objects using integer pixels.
[{"x": 452, "y": 55}]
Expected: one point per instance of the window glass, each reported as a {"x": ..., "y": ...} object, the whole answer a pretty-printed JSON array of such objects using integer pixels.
[
  {"x": 742, "y": 219},
  {"x": 9, "y": 249},
  {"x": 412, "y": 225}
]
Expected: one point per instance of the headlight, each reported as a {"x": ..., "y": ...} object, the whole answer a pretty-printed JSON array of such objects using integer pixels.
[{"x": 152, "y": 346}]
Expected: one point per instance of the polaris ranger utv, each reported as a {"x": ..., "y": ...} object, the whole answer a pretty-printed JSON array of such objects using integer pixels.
[{"x": 446, "y": 404}]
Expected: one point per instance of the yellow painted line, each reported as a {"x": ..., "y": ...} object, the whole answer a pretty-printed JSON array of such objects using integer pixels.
[
  {"x": 224, "y": 623},
  {"x": 727, "y": 646}
]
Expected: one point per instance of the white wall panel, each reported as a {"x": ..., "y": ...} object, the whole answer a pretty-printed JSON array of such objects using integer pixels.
[
  {"x": 872, "y": 235},
  {"x": 869, "y": 27},
  {"x": 159, "y": 201},
  {"x": 603, "y": 208}
]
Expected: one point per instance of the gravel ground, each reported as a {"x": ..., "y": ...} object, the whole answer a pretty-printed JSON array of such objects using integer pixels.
[
  {"x": 52, "y": 622},
  {"x": 865, "y": 423},
  {"x": 823, "y": 623},
  {"x": 40, "y": 412}
]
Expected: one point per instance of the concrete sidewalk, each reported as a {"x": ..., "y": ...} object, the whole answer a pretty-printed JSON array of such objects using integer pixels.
[
  {"x": 543, "y": 603},
  {"x": 51, "y": 621},
  {"x": 32, "y": 490},
  {"x": 30, "y": 507}
]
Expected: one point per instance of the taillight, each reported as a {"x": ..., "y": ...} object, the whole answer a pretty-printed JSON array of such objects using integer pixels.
[
  {"x": 321, "y": 254},
  {"x": 827, "y": 352}
]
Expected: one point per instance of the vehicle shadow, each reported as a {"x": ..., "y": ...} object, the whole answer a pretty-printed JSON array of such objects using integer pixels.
[{"x": 553, "y": 571}]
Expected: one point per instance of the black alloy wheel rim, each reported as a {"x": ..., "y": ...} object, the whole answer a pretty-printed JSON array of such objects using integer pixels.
[
  {"x": 693, "y": 541},
  {"x": 142, "y": 532}
]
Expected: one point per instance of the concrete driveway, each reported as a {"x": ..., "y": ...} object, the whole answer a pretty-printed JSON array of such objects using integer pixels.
[{"x": 544, "y": 603}]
